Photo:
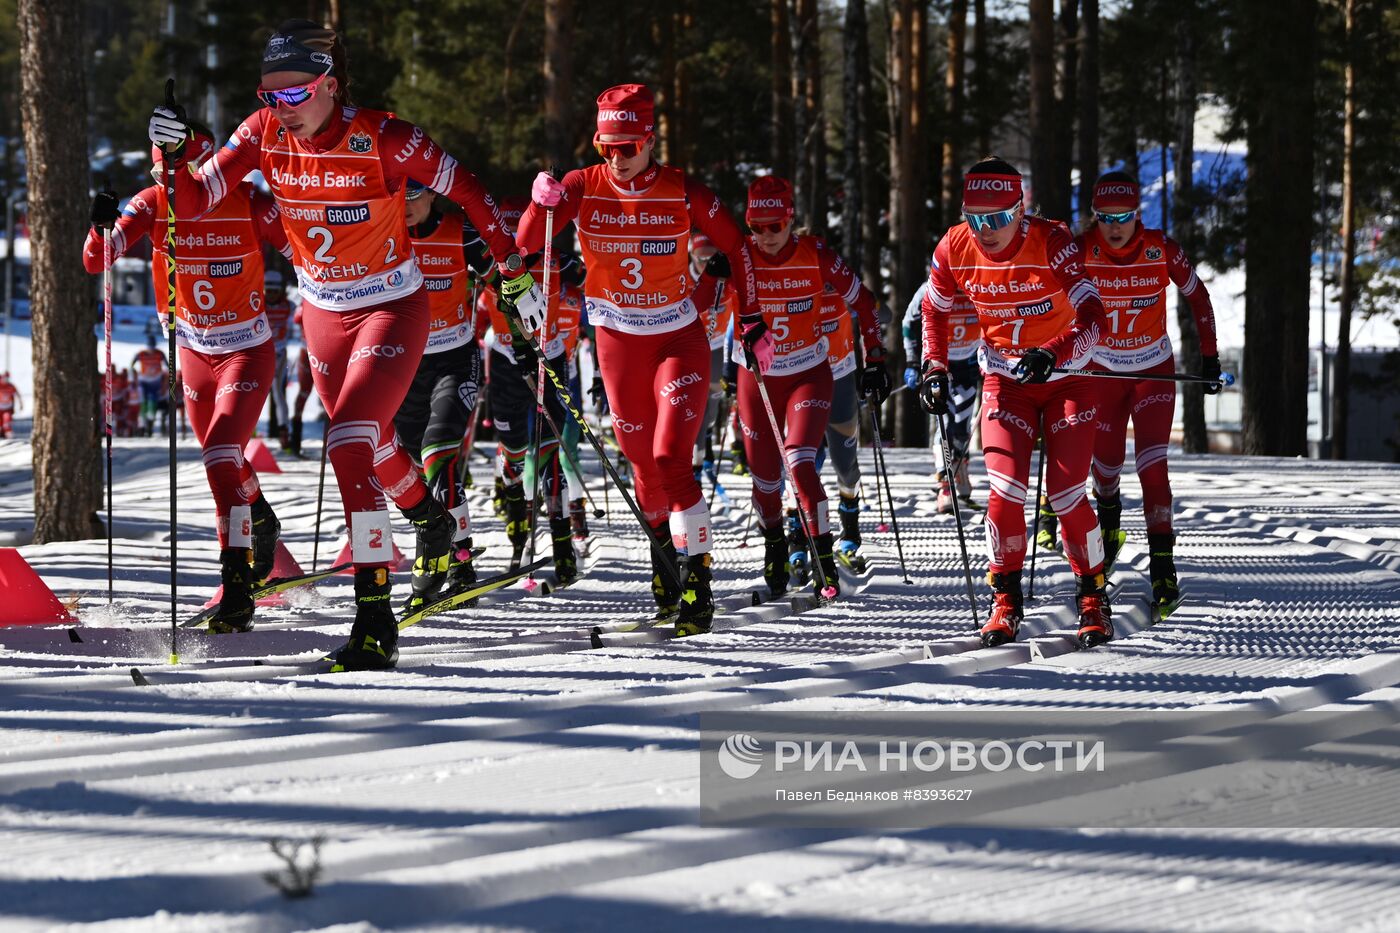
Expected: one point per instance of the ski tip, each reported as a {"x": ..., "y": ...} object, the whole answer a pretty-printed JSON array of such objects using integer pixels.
[
  {"x": 595, "y": 638},
  {"x": 73, "y": 636},
  {"x": 756, "y": 598},
  {"x": 138, "y": 678}
]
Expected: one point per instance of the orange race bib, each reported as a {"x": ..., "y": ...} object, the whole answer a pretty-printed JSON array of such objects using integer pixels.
[
  {"x": 840, "y": 335},
  {"x": 1134, "y": 291},
  {"x": 444, "y": 268},
  {"x": 789, "y": 295}
]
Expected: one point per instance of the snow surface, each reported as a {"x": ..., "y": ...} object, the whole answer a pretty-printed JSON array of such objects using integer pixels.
[{"x": 509, "y": 777}]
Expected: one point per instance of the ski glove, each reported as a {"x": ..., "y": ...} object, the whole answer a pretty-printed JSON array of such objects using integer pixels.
[
  {"x": 105, "y": 213},
  {"x": 599, "y": 395},
  {"x": 875, "y": 378},
  {"x": 1210, "y": 369},
  {"x": 524, "y": 296},
  {"x": 911, "y": 379},
  {"x": 934, "y": 389},
  {"x": 1035, "y": 366},
  {"x": 168, "y": 129},
  {"x": 759, "y": 348},
  {"x": 718, "y": 266},
  {"x": 547, "y": 191}
]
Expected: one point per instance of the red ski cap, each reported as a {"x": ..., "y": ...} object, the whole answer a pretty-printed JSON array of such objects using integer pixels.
[
  {"x": 991, "y": 185},
  {"x": 700, "y": 240},
  {"x": 626, "y": 110},
  {"x": 770, "y": 200},
  {"x": 1116, "y": 192}
]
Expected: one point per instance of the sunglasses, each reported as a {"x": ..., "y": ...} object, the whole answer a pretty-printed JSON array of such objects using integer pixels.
[
  {"x": 992, "y": 221},
  {"x": 293, "y": 96},
  {"x": 627, "y": 149},
  {"x": 1114, "y": 218},
  {"x": 777, "y": 226}
]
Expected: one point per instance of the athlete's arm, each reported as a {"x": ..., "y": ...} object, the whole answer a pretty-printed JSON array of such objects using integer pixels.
[
  {"x": 1067, "y": 266},
  {"x": 530, "y": 234},
  {"x": 913, "y": 322},
  {"x": 853, "y": 292},
  {"x": 198, "y": 193},
  {"x": 1184, "y": 276},
  {"x": 137, "y": 220},
  {"x": 267, "y": 217},
  {"x": 475, "y": 251},
  {"x": 408, "y": 152},
  {"x": 936, "y": 303},
  {"x": 709, "y": 215}
]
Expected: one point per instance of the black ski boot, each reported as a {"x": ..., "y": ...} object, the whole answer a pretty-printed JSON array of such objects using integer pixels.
[
  {"x": 697, "y": 610},
  {"x": 461, "y": 573},
  {"x": 848, "y": 546},
  {"x": 266, "y": 529},
  {"x": 517, "y": 523},
  {"x": 797, "y": 550},
  {"x": 775, "y": 561},
  {"x": 1110, "y": 521},
  {"x": 1007, "y": 611},
  {"x": 235, "y": 613},
  {"x": 561, "y": 534},
  {"x": 433, "y": 555},
  {"x": 296, "y": 435},
  {"x": 1047, "y": 524},
  {"x": 498, "y": 498},
  {"x": 828, "y": 580},
  {"x": 374, "y": 637},
  {"x": 1095, "y": 614},
  {"x": 663, "y": 585},
  {"x": 1166, "y": 595}
]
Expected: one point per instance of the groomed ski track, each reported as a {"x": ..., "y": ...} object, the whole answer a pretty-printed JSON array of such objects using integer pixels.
[{"x": 511, "y": 776}]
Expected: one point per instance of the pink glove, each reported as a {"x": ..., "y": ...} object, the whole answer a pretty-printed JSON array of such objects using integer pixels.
[
  {"x": 547, "y": 191},
  {"x": 759, "y": 345}
]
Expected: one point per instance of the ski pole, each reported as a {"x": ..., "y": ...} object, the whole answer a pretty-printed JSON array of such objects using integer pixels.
[
  {"x": 563, "y": 450},
  {"x": 540, "y": 413},
  {"x": 571, "y": 405},
  {"x": 875, "y": 452},
  {"x": 943, "y": 427},
  {"x": 884, "y": 474},
  {"x": 170, "y": 307},
  {"x": 320, "y": 496},
  {"x": 719, "y": 454},
  {"x": 828, "y": 591},
  {"x": 109, "y": 426},
  {"x": 1226, "y": 379},
  {"x": 1035, "y": 526}
]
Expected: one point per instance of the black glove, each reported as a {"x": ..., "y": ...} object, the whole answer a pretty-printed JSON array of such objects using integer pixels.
[
  {"x": 718, "y": 266},
  {"x": 875, "y": 379},
  {"x": 525, "y": 355},
  {"x": 105, "y": 213},
  {"x": 1035, "y": 366},
  {"x": 598, "y": 394},
  {"x": 1210, "y": 369},
  {"x": 934, "y": 389},
  {"x": 729, "y": 382}
]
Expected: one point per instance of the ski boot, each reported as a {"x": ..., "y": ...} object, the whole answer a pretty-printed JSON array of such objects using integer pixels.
[
  {"x": 235, "y": 613},
  {"x": 374, "y": 637},
  {"x": 578, "y": 520},
  {"x": 1047, "y": 524},
  {"x": 284, "y": 438},
  {"x": 663, "y": 585},
  {"x": 1110, "y": 519},
  {"x": 848, "y": 547},
  {"x": 827, "y": 585},
  {"x": 461, "y": 571},
  {"x": 266, "y": 529},
  {"x": 1166, "y": 595},
  {"x": 295, "y": 439},
  {"x": 775, "y": 561},
  {"x": 517, "y": 523},
  {"x": 1007, "y": 609},
  {"x": 946, "y": 501},
  {"x": 1095, "y": 615},
  {"x": 697, "y": 609},
  {"x": 797, "y": 549},
  {"x": 565, "y": 560},
  {"x": 498, "y": 498},
  {"x": 433, "y": 557},
  {"x": 740, "y": 458}
]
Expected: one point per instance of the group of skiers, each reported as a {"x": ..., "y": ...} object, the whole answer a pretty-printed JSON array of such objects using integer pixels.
[{"x": 685, "y": 312}]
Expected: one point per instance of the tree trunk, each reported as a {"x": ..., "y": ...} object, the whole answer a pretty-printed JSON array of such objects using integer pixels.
[
  {"x": 1341, "y": 373},
  {"x": 951, "y": 200},
  {"x": 979, "y": 87},
  {"x": 809, "y": 123},
  {"x": 782, "y": 90},
  {"x": 1088, "y": 104},
  {"x": 1276, "y": 92},
  {"x": 1193, "y": 406},
  {"x": 663, "y": 35},
  {"x": 908, "y": 184},
  {"x": 558, "y": 82},
  {"x": 855, "y": 67},
  {"x": 872, "y": 236},
  {"x": 1042, "y": 115},
  {"x": 1065, "y": 104},
  {"x": 67, "y": 488}
]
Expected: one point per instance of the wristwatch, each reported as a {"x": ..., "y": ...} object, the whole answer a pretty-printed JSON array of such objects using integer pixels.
[{"x": 513, "y": 263}]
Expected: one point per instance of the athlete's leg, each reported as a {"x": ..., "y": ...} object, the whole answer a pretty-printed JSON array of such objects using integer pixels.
[
  {"x": 1071, "y": 421},
  {"x": 1111, "y": 435},
  {"x": 1009, "y": 420},
  {"x": 761, "y": 448},
  {"x": 1153, "y": 404},
  {"x": 842, "y": 435}
]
